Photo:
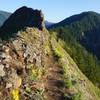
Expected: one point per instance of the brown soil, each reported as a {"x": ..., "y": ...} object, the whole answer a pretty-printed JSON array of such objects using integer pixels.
[{"x": 53, "y": 80}]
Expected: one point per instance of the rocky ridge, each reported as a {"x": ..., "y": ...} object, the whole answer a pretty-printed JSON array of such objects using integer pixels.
[{"x": 34, "y": 66}]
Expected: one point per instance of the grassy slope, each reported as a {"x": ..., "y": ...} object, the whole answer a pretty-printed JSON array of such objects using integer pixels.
[
  {"x": 85, "y": 60},
  {"x": 55, "y": 76},
  {"x": 76, "y": 85},
  {"x": 81, "y": 36},
  {"x": 83, "y": 85}
]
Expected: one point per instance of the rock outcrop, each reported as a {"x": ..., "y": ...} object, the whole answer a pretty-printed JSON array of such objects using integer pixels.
[{"x": 21, "y": 18}]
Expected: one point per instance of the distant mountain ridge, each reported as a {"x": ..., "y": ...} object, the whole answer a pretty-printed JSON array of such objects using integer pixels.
[
  {"x": 48, "y": 24},
  {"x": 3, "y": 16},
  {"x": 77, "y": 17},
  {"x": 86, "y": 29}
]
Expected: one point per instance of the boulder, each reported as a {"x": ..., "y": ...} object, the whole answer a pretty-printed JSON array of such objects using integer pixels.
[{"x": 2, "y": 72}]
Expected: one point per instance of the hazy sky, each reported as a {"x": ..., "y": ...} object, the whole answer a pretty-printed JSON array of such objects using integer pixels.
[{"x": 54, "y": 10}]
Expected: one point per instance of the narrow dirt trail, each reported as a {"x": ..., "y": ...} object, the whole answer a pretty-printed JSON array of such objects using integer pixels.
[{"x": 53, "y": 80}]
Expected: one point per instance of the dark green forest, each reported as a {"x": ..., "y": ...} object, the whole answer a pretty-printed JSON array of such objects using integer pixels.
[{"x": 81, "y": 36}]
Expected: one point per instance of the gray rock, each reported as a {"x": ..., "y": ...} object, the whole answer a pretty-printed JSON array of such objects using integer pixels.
[{"x": 2, "y": 72}]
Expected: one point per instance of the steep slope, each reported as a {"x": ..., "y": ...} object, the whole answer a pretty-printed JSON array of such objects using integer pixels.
[
  {"x": 34, "y": 66},
  {"x": 81, "y": 36},
  {"x": 86, "y": 29},
  {"x": 74, "y": 78},
  {"x": 3, "y": 17}
]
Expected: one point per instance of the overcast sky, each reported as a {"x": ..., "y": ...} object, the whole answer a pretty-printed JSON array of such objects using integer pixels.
[{"x": 54, "y": 10}]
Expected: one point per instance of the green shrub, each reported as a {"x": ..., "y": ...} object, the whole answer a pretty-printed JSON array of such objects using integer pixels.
[
  {"x": 68, "y": 83},
  {"x": 76, "y": 96},
  {"x": 36, "y": 73}
]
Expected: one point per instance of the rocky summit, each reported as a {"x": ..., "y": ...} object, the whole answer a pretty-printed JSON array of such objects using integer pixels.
[
  {"x": 35, "y": 66},
  {"x": 21, "y": 18}
]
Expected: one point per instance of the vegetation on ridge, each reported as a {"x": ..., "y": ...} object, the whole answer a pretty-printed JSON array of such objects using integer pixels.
[
  {"x": 75, "y": 32},
  {"x": 35, "y": 65}
]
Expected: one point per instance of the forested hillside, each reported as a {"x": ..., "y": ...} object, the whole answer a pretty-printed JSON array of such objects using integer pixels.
[{"x": 81, "y": 36}]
